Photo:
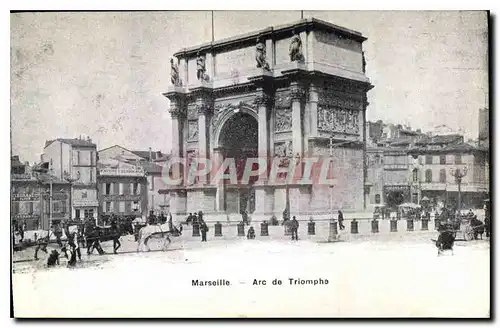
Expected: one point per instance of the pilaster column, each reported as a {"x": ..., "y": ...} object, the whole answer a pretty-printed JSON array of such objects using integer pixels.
[
  {"x": 313, "y": 110},
  {"x": 218, "y": 159},
  {"x": 297, "y": 96},
  {"x": 177, "y": 114},
  {"x": 263, "y": 102},
  {"x": 203, "y": 152}
]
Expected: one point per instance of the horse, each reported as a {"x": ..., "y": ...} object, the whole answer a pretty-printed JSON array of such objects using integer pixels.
[
  {"x": 94, "y": 235},
  {"x": 157, "y": 232}
]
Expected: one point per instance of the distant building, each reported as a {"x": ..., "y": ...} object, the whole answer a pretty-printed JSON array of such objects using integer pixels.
[
  {"x": 434, "y": 161},
  {"x": 484, "y": 128},
  {"x": 388, "y": 180},
  {"x": 122, "y": 191},
  {"x": 76, "y": 160},
  {"x": 404, "y": 165},
  {"x": 30, "y": 197},
  {"x": 152, "y": 163}
]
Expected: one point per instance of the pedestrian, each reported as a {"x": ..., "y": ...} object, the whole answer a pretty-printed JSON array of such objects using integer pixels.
[
  {"x": 204, "y": 230},
  {"x": 21, "y": 233},
  {"x": 341, "y": 220},
  {"x": 295, "y": 227},
  {"x": 58, "y": 233},
  {"x": 251, "y": 233},
  {"x": 53, "y": 258},
  {"x": 116, "y": 234}
]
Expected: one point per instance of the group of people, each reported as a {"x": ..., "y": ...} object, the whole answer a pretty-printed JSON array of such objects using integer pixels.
[{"x": 197, "y": 219}]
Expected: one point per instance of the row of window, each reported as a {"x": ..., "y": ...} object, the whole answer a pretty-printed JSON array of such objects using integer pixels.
[
  {"x": 123, "y": 206},
  {"x": 27, "y": 207},
  {"x": 429, "y": 159},
  {"x": 111, "y": 188},
  {"x": 442, "y": 159},
  {"x": 79, "y": 157},
  {"x": 87, "y": 213},
  {"x": 428, "y": 175}
]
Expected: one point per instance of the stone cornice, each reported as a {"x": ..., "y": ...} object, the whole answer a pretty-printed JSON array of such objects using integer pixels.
[{"x": 276, "y": 32}]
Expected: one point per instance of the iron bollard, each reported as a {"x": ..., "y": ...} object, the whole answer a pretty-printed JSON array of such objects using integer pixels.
[
  {"x": 394, "y": 225},
  {"x": 354, "y": 226},
  {"x": 409, "y": 225},
  {"x": 311, "y": 227},
  {"x": 218, "y": 229},
  {"x": 196, "y": 230},
  {"x": 333, "y": 230},
  {"x": 425, "y": 224},
  {"x": 374, "y": 226},
  {"x": 264, "y": 229},
  {"x": 241, "y": 229}
]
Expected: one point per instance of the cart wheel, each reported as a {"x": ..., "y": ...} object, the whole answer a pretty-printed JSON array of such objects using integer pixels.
[{"x": 469, "y": 233}]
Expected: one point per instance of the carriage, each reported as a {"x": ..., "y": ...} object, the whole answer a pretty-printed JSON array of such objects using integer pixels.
[{"x": 466, "y": 228}]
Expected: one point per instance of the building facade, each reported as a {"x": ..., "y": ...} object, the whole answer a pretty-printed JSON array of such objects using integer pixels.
[
  {"x": 152, "y": 163},
  {"x": 282, "y": 92},
  {"x": 434, "y": 171},
  {"x": 75, "y": 160},
  {"x": 417, "y": 167},
  {"x": 122, "y": 190},
  {"x": 31, "y": 197}
]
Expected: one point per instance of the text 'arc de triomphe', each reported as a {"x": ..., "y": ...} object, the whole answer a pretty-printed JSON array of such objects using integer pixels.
[{"x": 284, "y": 91}]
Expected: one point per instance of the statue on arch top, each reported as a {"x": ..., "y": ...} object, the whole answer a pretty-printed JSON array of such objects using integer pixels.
[
  {"x": 295, "y": 49},
  {"x": 174, "y": 72},
  {"x": 260, "y": 55},
  {"x": 200, "y": 67}
]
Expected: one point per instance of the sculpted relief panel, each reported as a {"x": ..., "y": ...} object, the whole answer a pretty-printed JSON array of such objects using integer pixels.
[
  {"x": 192, "y": 112},
  {"x": 283, "y": 121},
  {"x": 192, "y": 131},
  {"x": 334, "y": 119}
]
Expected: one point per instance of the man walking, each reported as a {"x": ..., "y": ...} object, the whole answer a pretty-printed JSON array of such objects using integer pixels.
[
  {"x": 203, "y": 229},
  {"x": 341, "y": 220},
  {"x": 294, "y": 224}
]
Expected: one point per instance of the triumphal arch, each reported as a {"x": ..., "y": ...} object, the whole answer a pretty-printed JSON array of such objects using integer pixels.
[{"x": 285, "y": 95}]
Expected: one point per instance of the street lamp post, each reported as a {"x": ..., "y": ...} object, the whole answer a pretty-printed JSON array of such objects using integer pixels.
[
  {"x": 459, "y": 175},
  {"x": 71, "y": 180},
  {"x": 333, "y": 232},
  {"x": 333, "y": 235}
]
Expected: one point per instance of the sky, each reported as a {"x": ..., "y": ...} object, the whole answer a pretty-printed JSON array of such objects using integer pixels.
[{"x": 103, "y": 74}]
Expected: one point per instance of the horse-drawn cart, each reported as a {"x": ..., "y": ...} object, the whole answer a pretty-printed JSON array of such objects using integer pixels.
[{"x": 467, "y": 228}]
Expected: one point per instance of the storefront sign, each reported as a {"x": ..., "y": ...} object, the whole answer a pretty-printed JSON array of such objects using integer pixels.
[
  {"x": 21, "y": 177},
  {"x": 27, "y": 216},
  {"x": 122, "y": 171},
  {"x": 89, "y": 203},
  {"x": 25, "y": 197}
]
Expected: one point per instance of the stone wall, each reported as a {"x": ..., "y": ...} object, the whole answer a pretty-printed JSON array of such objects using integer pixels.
[{"x": 331, "y": 49}]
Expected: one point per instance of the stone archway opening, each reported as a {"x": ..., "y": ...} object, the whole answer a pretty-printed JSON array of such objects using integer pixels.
[{"x": 238, "y": 141}]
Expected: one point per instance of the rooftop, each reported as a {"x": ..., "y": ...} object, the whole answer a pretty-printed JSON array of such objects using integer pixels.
[
  {"x": 73, "y": 142},
  {"x": 155, "y": 155}
]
